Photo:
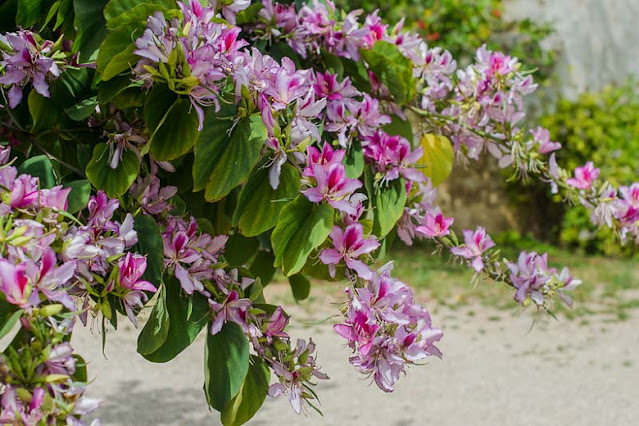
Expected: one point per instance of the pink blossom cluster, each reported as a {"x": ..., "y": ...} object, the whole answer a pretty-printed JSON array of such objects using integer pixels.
[
  {"x": 394, "y": 157},
  {"x": 329, "y": 182},
  {"x": 37, "y": 281},
  {"x": 536, "y": 282},
  {"x": 193, "y": 55},
  {"x": 386, "y": 329},
  {"x": 421, "y": 217},
  {"x": 26, "y": 59}
]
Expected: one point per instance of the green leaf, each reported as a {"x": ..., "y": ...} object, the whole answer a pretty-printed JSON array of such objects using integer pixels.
[
  {"x": 80, "y": 374},
  {"x": 116, "y": 53},
  {"x": 156, "y": 330},
  {"x": 44, "y": 112},
  {"x": 239, "y": 249},
  {"x": 116, "y": 8},
  {"x": 354, "y": 160},
  {"x": 301, "y": 228},
  {"x": 187, "y": 317},
  {"x": 438, "y": 157},
  {"x": 79, "y": 195},
  {"x": 122, "y": 92},
  {"x": 150, "y": 243},
  {"x": 248, "y": 401},
  {"x": 8, "y": 319},
  {"x": 137, "y": 14},
  {"x": 172, "y": 123},
  {"x": 223, "y": 162},
  {"x": 116, "y": 181},
  {"x": 388, "y": 203},
  {"x": 28, "y": 12},
  {"x": 259, "y": 204},
  {"x": 90, "y": 26},
  {"x": 226, "y": 365},
  {"x": 301, "y": 286},
  {"x": 262, "y": 266},
  {"x": 39, "y": 166},
  {"x": 83, "y": 109},
  {"x": 400, "y": 127},
  {"x": 393, "y": 69},
  {"x": 248, "y": 15}
]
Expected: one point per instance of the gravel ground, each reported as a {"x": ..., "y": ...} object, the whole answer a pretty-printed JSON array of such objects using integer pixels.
[{"x": 499, "y": 368}]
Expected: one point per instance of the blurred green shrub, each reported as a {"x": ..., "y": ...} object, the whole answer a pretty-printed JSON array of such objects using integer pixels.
[
  {"x": 602, "y": 127},
  {"x": 461, "y": 26}
]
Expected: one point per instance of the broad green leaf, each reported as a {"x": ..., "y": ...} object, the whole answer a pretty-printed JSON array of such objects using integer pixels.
[
  {"x": 226, "y": 365},
  {"x": 223, "y": 162},
  {"x": 400, "y": 127},
  {"x": 438, "y": 157},
  {"x": 187, "y": 317},
  {"x": 259, "y": 204},
  {"x": 248, "y": 401},
  {"x": 388, "y": 201},
  {"x": 114, "y": 181},
  {"x": 302, "y": 227},
  {"x": 137, "y": 14},
  {"x": 116, "y": 53},
  {"x": 172, "y": 122},
  {"x": 249, "y": 15},
  {"x": 150, "y": 243},
  {"x": 90, "y": 27},
  {"x": 121, "y": 92},
  {"x": 300, "y": 285},
  {"x": 39, "y": 166},
  {"x": 156, "y": 329},
  {"x": 118, "y": 7},
  {"x": 79, "y": 195},
  {"x": 28, "y": 12},
  {"x": 240, "y": 249},
  {"x": 393, "y": 69},
  {"x": 45, "y": 114},
  {"x": 354, "y": 160},
  {"x": 83, "y": 109},
  {"x": 262, "y": 267}
]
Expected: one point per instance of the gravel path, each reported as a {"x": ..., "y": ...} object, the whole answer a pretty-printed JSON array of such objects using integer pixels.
[{"x": 496, "y": 371}]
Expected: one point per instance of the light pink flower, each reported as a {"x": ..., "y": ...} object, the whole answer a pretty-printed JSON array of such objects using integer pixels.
[
  {"x": 584, "y": 176},
  {"x": 476, "y": 243},
  {"x": 349, "y": 245}
]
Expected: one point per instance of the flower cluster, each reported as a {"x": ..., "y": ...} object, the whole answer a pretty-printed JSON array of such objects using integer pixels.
[
  {"x": 331, "y": 183},
  {"x": 386, "y": 329},
  {"x": 394, "y": 157},
  {"x": 27, "y": 59},
  {"x": 37, "y": 279},
  {"x": 193, "y": 55},
  {"x": 536, "y": 282}
]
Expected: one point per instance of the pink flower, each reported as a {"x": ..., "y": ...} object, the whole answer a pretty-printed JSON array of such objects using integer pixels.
[
  {"x": 15, "y": 284},
  {"x": 132, "y": 267},
  {"x": 360, "y": 330},
  {"x": 326, "y": 158},
  {"x": 232, "y": 309},
  {"x": 333, "y": 187},
  {"x": 476, "y": 243},
  {"x": 584, "y": 176},
  {"x": 435, "y": 226},
  {"x": 349, "y": 245},
  {"x": 25, "y": 63},
  {"x": 276, "y": 324},
  {"x": 541, "y": 136}
]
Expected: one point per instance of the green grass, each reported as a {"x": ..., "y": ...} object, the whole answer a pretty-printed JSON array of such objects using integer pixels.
[{"x": 610, "y": 285}]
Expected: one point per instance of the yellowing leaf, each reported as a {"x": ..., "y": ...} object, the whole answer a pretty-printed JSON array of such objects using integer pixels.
[{"x": 438, "y": 157}]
